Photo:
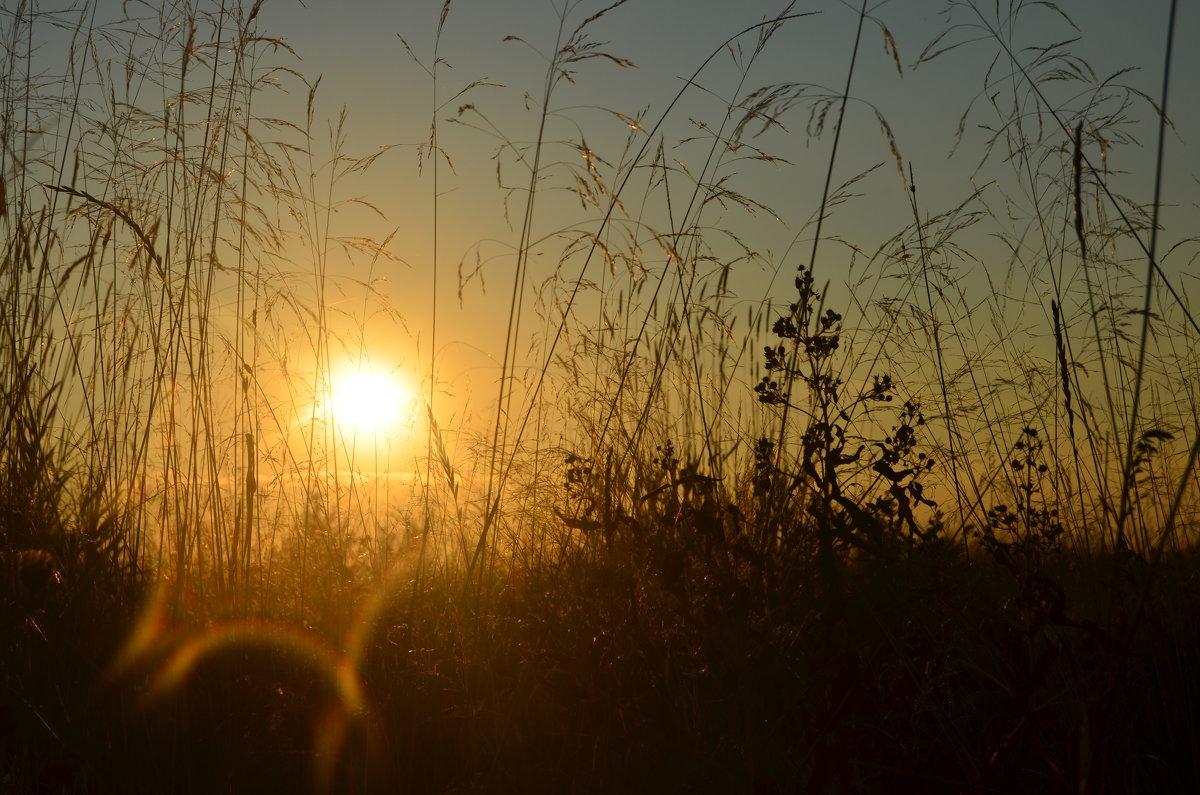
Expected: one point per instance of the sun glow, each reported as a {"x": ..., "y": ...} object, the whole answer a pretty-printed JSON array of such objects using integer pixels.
[{"x": 369, "y": 402}]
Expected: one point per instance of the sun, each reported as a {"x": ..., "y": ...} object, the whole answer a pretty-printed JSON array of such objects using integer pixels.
[{"x": 369, "y": 402}]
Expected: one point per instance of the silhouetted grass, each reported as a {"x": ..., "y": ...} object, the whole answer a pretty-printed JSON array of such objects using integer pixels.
[{"x": 884, "y": 531}]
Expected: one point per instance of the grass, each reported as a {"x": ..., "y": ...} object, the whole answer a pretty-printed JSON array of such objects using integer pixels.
[{"x": 921, "y": 519}]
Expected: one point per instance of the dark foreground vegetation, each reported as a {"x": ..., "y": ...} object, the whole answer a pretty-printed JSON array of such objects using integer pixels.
[
  {"x": 691, "y": 650},
  {"x": 932, "y": 533}
]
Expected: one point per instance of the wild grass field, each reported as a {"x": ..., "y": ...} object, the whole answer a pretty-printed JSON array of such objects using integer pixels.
[{"x": 778, "y": 478}]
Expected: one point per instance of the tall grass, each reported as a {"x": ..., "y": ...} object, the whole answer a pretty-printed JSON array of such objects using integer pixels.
[{"x": 919, "y": 514}]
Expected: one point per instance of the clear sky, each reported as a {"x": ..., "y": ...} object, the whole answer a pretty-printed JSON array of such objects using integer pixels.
[
  {"x": 357, "y": 49},
  {"x": 355, "y": 46}
]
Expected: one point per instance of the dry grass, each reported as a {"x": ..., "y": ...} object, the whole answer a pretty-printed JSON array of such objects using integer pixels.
[{"x": 903, "y": 529}]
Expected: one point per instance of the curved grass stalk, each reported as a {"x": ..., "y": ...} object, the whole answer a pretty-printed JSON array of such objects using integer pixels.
[{"x": 578, "y": 282}]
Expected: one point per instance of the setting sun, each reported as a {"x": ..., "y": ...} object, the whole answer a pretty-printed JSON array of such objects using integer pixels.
[{"x": 369, "y": 402}]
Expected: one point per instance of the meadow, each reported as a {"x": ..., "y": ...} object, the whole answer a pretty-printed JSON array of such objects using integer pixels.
[{"x": 776, "y": 477}]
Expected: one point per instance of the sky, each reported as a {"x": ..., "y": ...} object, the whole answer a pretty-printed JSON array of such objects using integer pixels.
[
  {"x": 372, "y": 59},
  {"x": 356, "y": 49}
]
